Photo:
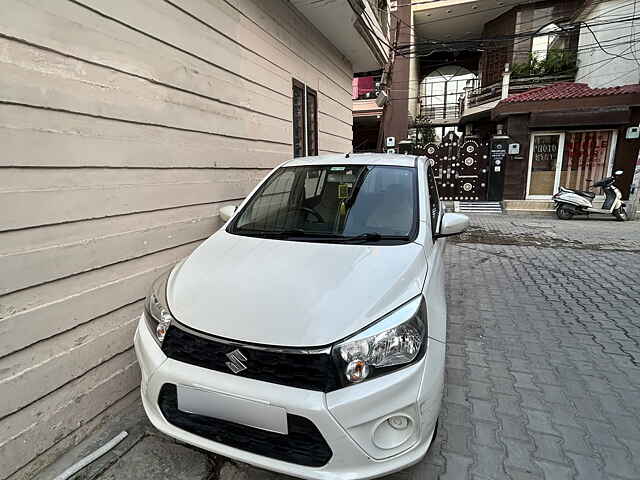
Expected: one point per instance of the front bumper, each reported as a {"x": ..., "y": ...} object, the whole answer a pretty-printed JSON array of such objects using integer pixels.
[{"x": 351, "y": 420}]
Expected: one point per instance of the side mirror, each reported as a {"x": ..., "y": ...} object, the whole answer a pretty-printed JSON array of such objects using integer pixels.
[
  {"x": 618, "y": 172},
  {"x": 452, "y": 224},
  {"x": 227, "y": 212}
]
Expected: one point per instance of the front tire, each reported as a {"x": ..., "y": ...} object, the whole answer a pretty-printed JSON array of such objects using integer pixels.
[
  {"x": 564, "y": 213},
  {"x": 621, "y": 214}
]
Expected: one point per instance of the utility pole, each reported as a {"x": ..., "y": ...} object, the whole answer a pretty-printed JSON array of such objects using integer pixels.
[
  {"x": 387, "y": 76},
  {"x": 395, "y": 113}
]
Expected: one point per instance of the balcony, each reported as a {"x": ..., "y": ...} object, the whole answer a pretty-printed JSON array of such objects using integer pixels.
[
  {"x": 490, "y": 93},
  {"x": 441, "y": 114},
  {"x": 353, "y": 27},
  {"x": 541, "y": 68},
  {"x": 366, "y": 108},
  {"x": 365, "y": 91},
  {"x": 479, "y": 99}
]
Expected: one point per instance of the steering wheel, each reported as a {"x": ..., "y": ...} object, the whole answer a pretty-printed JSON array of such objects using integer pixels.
[{"x": 310, "y": 211}]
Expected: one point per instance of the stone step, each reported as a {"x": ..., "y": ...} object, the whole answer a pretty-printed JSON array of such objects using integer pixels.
[{"x": 478, "y": 207}]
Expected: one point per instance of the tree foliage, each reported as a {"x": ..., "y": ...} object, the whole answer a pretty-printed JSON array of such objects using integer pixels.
[
  {"x": 557, "y": 62},
  {"x": 425, "y": 133}
]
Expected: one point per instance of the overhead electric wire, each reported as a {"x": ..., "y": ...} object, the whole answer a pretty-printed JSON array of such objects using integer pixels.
[
  {"x": 487, "y": 43},
  {"x": 590, "y": 46},
  {"x": 553, "y": 14},
  {"x": 633, "y": 34},
  {"x": 528, "y": 34},
  {"x": 607, "y": 60},
  {"x": 582, "y": 49},
  {"x": 398, "y": 19},
  {"x": 602, "y": 14},
  {"x": 598, "y": 62},
  {"x": 474, "y": 12},
  {"x": 371, "y": 29},
  {"x": 602, "y": 48},
  {"x": 501, "y": 7},
  {"x": 424, "y": 48}
]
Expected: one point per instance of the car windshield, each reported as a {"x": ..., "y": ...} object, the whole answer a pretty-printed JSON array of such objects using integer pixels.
[{"x": 333, "y": 203}]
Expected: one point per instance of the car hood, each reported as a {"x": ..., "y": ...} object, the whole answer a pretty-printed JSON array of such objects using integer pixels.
[{"x": 289, "y": 293}]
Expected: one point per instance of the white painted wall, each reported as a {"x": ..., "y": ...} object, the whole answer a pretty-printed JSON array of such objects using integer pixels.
[
  {"x": 124, "y": 127},
  {"x": 621, "y": 39}
]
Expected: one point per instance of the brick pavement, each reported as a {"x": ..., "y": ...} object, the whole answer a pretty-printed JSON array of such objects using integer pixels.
[
  {"x": 543, "y": 374},
  {"x": 543, "y": 360}
]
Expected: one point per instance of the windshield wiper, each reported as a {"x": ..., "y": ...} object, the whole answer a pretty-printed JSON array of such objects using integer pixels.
[
  {"x": 330, "y": 237},
  {"x": 371, "y": 237},
  {"x": 283, "y": 234}
]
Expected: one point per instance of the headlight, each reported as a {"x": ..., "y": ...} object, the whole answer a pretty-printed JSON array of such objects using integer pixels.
[
  {"x": 156, "y": 310},
  {"x": 398, "y": 339}
]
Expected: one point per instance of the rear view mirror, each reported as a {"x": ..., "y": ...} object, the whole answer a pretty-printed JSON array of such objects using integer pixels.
[
  {"x": 618, "y": 172},
  {"x": 227, "y": 212},
  {"x": 452, "y": 224}
]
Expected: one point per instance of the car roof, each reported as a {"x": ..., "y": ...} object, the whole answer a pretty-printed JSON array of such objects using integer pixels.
[{"x": 355, "y": 159}]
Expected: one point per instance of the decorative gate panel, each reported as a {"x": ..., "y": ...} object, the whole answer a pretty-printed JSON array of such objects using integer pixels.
[{"x": 460, "y": 166}]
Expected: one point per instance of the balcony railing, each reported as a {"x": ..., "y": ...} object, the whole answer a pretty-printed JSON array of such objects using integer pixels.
[
  {"x": 476, "y": 96},
  {"x": 440, "y": 112}
]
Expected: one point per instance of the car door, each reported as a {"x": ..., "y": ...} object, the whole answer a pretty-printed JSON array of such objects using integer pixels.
[{"x": 434, "y": 288}]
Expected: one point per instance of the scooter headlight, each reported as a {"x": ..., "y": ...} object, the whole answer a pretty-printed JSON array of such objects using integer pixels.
[
  {"x": 156, "y": 309},
  {"x": 396, "y": 340}
]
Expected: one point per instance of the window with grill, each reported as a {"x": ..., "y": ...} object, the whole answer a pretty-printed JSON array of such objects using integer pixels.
[
  {"x": 305, "y": 120},
  {"x": 312, "y": 122},
  {"x": 299, "y": 137}
]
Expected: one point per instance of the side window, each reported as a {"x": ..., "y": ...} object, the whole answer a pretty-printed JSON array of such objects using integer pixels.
[
  {"x": 305, "y": 120},
  {"x": 434, "y": 200}
]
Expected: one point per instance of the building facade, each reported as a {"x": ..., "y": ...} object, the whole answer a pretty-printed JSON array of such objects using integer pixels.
[
  {"x": 125, "y": 126},
  {"x": 617, "y": 64},
  {"x": 569, "y": 135},
  {"x": 470, "y": 59}
]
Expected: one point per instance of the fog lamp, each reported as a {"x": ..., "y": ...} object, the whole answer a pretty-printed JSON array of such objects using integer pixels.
[{"x": 399, "y": 422}]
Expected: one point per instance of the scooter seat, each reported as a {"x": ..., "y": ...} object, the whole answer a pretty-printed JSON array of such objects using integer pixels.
[{"x": 589, "y": 195}]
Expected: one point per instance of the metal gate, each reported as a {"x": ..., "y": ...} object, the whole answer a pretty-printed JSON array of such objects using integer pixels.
[{"x": 460, "y": 166}]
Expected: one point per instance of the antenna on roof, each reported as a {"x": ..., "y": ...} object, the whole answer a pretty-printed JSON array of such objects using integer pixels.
[{"x": 346, "y": 155}]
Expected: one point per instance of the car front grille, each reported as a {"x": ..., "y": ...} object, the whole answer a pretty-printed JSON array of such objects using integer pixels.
[
  {"x": 303, "y": 445},
  {"x": 300, "y": 368}
]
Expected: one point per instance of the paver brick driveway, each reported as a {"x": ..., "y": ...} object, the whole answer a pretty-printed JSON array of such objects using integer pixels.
[
  {"x": 543, "y": 374},
  {"x": 543, "y": 366}
]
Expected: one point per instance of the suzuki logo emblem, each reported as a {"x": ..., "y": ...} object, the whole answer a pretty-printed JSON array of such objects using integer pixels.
[{"x": 235, "y": 361}]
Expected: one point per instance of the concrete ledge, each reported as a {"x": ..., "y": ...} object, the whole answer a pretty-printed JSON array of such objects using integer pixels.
[{"x": 537, "y": 206}]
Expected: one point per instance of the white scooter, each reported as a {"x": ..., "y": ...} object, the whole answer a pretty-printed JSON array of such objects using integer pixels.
[{"x": 570, "y": 202}]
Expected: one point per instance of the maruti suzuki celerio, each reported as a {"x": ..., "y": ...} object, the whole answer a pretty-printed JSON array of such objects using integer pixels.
[{"x": 307, "y": 336}]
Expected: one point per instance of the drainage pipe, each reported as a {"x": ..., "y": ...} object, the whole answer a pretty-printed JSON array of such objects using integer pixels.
[{"x": 76, "y": 467}]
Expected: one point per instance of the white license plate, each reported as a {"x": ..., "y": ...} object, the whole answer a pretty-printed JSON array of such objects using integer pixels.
[{"x": 220, "y": 405}]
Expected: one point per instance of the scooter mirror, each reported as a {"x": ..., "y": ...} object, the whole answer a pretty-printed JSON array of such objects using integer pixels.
[{"x": 618, "y": 172}]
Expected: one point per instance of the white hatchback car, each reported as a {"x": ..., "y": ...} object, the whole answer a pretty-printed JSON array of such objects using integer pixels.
[{"x": 308, "y": 335}]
